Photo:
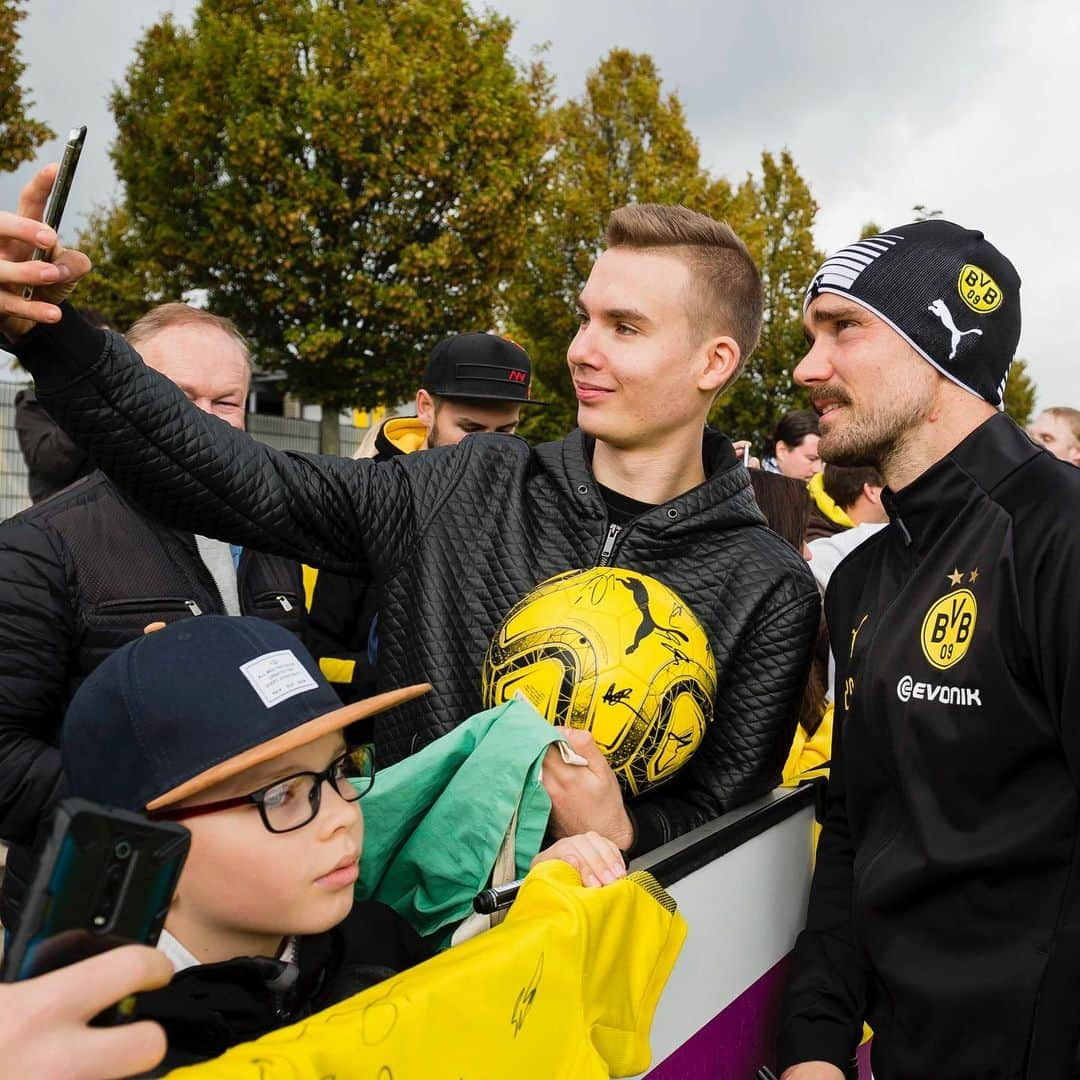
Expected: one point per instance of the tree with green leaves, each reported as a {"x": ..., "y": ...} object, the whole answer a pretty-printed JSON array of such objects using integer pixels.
[
  {"x": 775, "y": 217},
  {"x": 348, "y": 182},
  {"x": 625, "y": 140},
  {"x": 622, "y": 141},
  {"x": 20, "y": 135},
  {"x": 1020, "y": 393},
  {"x": 129, "y": 277}
]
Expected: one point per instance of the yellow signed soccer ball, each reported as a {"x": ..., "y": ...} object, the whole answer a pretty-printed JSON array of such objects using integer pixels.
[{"x": 618, "y": 654}]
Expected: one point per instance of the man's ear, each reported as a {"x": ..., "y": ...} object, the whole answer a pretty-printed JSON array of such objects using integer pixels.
[
  {"x": 722, "y": 355},
  {"x": 872, "y": 493},
  {"x": 425, "y": 408}
]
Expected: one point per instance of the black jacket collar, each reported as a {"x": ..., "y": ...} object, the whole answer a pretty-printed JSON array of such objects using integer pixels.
[
  {"x": 725, "y": 498},
  {"x": 930, "y": 503}
]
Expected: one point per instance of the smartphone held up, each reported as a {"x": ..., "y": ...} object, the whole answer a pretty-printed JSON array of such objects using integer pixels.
[
  {"x": 58, "y": 196},
  {"x": 106, "y": 878}
]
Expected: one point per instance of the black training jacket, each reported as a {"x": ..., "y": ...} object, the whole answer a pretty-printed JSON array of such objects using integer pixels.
[
  {"x": 454, "y": 537},
  {"x": 946, "y": 901},
  {"x": 81, "y": 574}
]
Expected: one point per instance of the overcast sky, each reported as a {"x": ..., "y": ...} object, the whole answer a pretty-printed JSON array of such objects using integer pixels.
[{"x": 967, "y": 107}]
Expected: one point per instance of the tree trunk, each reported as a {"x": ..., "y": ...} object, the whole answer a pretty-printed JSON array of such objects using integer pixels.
[{"x": 330, "y": 431}]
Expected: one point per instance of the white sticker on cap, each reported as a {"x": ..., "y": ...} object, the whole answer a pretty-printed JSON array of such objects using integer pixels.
[{"x": 277, "y": 676}]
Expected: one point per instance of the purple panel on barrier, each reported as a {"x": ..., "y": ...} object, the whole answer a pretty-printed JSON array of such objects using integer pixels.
[{"x": 736, "y": 1042}]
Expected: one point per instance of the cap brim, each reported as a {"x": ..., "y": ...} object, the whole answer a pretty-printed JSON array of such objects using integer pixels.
[
  {"x": 457, "y": 396},
  {"x": 289, "y": 740}
]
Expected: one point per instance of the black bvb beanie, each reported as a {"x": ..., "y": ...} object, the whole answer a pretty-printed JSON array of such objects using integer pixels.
[{"x": 945, "y": 289}]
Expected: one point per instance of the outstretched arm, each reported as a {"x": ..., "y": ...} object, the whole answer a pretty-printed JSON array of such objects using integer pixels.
[{"x": 191, "y": 470}]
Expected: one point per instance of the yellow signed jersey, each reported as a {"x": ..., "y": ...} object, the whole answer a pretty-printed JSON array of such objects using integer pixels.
[{"x": 566, "y": 988}]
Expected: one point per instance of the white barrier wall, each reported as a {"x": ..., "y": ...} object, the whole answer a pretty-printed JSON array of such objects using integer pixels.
[{"x": 717, "y": 1016}]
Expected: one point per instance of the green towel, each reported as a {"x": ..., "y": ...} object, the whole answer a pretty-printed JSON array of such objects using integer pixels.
[{"x": 433, "y": 823}]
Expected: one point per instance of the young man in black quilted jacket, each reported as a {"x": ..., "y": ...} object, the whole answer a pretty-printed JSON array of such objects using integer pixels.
[
  {"x": 454, "y": 538},
  {"x": 84, "y": 571}
]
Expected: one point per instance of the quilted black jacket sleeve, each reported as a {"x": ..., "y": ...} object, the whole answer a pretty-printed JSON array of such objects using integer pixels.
[
  {"x": 36, "y": 633},
  {"x": 322, "y": 510}
]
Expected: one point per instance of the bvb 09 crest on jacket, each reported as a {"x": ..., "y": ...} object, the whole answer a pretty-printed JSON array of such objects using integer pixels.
[{"x": 618, "y": 654}]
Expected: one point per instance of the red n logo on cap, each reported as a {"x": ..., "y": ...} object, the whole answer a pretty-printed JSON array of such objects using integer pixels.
[{"x": 513, "y": 375}]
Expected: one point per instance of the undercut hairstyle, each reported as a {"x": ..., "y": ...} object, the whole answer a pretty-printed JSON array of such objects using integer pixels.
[
  {"x": 1070, "y": 416},
  {"x": 166, "y": 316},
  {"x": 791, "y": 429},
  {"x": 844, "y": 484},
  {"x": 725, "y": 282}
]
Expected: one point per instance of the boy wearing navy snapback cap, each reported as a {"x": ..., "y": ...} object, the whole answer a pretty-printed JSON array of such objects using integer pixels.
[{"x": 227, "y": 725}]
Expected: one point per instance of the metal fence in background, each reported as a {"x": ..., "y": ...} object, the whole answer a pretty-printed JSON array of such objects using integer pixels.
[
  {"x": 284, "y": 434},
  {"x": 351, "y": 437},
  {"x": 13, "y": 493},
  {"x": 303, "y": 435}
]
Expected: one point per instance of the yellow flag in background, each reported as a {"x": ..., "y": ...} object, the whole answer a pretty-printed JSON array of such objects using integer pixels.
[{"x": 566, "y": 988}]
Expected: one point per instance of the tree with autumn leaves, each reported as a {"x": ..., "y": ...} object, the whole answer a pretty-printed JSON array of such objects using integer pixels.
[
  {"x": 350, "y": 182},
  {"x": 625, "y": 141},
  {"x": 20, "y": 134},
  {"x": 346, "y": 182}
]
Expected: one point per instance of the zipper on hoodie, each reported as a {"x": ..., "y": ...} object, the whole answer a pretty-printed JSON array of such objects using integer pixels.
[{"x": 609, "y": 545}]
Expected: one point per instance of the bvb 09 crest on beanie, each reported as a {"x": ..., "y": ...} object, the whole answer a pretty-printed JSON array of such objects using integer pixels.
[{"x": 945, "y": 289}]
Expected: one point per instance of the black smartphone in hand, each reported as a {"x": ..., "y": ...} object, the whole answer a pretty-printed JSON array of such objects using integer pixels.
[
  {"x": 106, "y": 878},
  {"x": 58, "y": 196}
]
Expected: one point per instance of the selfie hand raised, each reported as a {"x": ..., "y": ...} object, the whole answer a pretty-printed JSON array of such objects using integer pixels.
[{"x": 52, "y": 281}]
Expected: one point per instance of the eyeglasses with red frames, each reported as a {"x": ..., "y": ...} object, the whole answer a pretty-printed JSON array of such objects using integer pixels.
[{"x": 292, "y": 802}]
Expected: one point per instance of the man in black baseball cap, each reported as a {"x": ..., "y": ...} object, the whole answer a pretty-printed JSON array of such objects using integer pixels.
[
  {"x": 472, "y": 383},
  {"x": 227, "y": 725},
  {"x": 945, "y": 908}
]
